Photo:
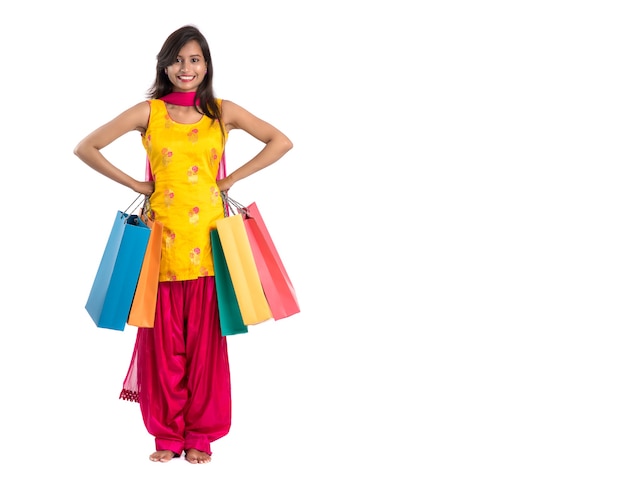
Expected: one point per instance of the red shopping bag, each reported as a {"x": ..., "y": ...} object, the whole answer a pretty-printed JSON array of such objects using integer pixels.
[{"x": 277, "y": 286}]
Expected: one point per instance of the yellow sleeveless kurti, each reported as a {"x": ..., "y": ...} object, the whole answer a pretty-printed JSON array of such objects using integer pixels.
[{"x": 184, "y": 160}]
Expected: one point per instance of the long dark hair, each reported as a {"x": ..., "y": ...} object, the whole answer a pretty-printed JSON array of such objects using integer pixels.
[{"x": 205, "y": 96}]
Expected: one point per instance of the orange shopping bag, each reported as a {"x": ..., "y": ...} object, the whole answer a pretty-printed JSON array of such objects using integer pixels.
[{"x": 143, "y": 307}]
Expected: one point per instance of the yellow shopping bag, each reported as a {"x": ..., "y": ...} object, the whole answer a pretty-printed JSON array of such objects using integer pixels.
[{"x": 243, "y": 271}]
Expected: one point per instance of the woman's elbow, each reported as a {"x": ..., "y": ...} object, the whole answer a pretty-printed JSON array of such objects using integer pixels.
[
  {"x": 79, "y": 150},
  {"x": 286, "y": 144},
  {"x": 84, "y": 149}
]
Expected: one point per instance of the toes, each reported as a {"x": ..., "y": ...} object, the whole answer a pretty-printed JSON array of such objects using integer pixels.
[
  {"x": 194, "y": 456},
  {"x": 162, "y": 456}
]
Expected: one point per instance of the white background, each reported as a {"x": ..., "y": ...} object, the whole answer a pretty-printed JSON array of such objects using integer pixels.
[{"x": 451, "y": 215}]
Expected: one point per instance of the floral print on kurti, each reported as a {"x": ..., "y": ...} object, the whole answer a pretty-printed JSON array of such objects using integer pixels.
[{"x": 184, "y": 160}]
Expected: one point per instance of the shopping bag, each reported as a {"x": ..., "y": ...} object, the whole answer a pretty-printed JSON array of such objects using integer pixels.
[
  {"x": 277, "y": 285},
  {"x": 114, "y": 285},
  {"x": 143, "y": 307},
  {"x": 231, "y": 321},
  {"x": 242, "y": 269}
]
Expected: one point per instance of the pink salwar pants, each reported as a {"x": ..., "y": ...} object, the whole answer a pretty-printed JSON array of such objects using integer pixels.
[{"x": 181, "y": 369}]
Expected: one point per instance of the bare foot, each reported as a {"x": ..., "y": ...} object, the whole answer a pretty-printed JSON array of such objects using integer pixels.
[
  {"x": 162, "y": 456},
  {"x": 197, "y": 457}
]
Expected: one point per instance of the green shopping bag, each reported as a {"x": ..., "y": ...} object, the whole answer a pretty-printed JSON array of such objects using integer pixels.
[{"x": 231, "y": 321}]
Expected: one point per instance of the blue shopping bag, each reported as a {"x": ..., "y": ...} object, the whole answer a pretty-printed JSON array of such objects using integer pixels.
[{"x": 113, "y": 288}]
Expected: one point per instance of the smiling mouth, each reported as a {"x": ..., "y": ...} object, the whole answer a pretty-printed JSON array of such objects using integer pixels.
[{"x": 186, "y": 78}]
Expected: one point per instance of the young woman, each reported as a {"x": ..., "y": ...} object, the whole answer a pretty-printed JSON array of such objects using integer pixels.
[{"x": 179, "y": 372}]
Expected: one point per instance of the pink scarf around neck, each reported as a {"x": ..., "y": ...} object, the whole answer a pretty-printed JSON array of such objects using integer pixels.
[{"x": 181, "y": 98}]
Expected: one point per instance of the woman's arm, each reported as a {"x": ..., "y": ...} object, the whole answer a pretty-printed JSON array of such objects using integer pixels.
[
  {"x": 276, "y": 142},
  {"x": 88, "y": 149}
]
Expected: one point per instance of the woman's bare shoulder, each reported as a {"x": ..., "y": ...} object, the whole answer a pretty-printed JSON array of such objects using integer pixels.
[{"x": 136, "y": 117}]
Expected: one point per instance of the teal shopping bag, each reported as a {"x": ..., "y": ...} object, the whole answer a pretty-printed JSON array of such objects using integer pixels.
[
  {"x": 113, "y": 288},
  {"x": 231, "y": 321}
]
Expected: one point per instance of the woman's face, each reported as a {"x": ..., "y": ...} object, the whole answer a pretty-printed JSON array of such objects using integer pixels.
[{"x": 189, "y": 69}]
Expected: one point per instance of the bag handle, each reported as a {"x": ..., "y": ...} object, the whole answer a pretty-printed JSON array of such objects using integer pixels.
[
  {"x": 130, "y": 211},
  {"x": 231, "y": 205}
]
